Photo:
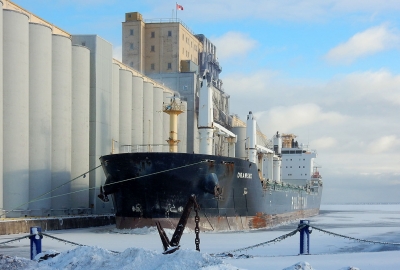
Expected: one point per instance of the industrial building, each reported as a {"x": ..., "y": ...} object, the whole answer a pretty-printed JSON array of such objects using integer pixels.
[
  {"x": 66, "y": 102},
  {"x": 167, "y": 51}
]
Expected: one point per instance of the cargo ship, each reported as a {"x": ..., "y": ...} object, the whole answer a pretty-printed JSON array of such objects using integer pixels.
[{"x": 269, "y": 186}]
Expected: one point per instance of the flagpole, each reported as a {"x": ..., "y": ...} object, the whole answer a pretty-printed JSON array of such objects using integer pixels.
[{"x": 176, "y": 11}]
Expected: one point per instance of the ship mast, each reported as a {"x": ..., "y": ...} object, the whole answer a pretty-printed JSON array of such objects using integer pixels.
[{"x": 174, "y": 109}]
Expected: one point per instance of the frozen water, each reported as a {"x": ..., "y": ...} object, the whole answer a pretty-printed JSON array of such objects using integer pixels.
[{"x": 142, "y": 248}]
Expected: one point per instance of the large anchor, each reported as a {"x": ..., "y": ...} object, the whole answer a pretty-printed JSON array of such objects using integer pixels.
[{"x": 173, "y": 245}]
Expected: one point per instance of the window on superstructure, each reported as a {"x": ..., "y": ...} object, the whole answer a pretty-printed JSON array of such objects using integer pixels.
[
  {"x": 169, "y": 66},
  {"x": 153, "y": 34},
  {"x": 131, "y": 46},
  {"x": 170, "y": 33},
  {"x": 152, "y": 48},
  {"x": 131, "y": 32},
  {"x": 152, "y": 67}
]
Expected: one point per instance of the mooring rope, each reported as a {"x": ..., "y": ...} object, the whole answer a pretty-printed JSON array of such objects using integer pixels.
[
  {"x": 44, "y": 194},
  {"x": 81, "y": 190}
]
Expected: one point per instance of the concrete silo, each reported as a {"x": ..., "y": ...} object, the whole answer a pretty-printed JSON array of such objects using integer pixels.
[
  {"x": 80, "y": 128},
  {"x": 40, "y": 40},
  {"x": 137, "y": 114},
  {"x": 61, "y": 122},
  {"x": 115, "y": 109},
  {"x": 166, "y": 100},
  {"x": 15, "y": 111},
  {"x": 125, "y": 110},
  {"x": 148, "y": 94},
  {"x": 182, "y": 129},
  {"x": 158, "y": 120}
]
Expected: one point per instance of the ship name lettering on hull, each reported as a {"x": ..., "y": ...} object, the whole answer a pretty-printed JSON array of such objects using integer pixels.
[{"x": 244, "y": 175}]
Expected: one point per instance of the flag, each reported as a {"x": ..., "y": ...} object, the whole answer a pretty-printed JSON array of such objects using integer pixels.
[{"x": 179, "y": 7}]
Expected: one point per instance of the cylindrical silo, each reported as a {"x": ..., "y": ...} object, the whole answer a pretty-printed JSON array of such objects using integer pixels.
[
  {"x": 137, "y": 114},
  {"x": 1, "y": 106},
  {"x": 80, "y": 128},
  {"x": 158, "y": 119},
  {"x": 16, "y": 110},
  {"x": 61, "y": 123},
  {"x": 240, "y": 146},
  {"x": 125, "y": 110},
  {"x": 166, "y": 100},
  {"x": 39, "y": 117},
  {"x": 182, "y": 129},
  {"x": 148, "y": 95},
  {"x": 115, "y": 109}
]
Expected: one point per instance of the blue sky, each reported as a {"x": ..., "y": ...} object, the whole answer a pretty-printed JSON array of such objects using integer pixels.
[{"x": 327, "y": 71}]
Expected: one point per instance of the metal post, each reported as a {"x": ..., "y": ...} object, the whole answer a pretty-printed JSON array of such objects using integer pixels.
[
  {"x": 36, "y": 241},
  {"x": 304, "y": 237}
]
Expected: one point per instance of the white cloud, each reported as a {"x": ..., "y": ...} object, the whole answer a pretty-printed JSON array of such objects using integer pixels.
[
  {"x": 383, "y": 144},
  {"x": 233, "y": 44},
  {"x": 365, "y": 43},
  {"x": 286, "y": 118},
  {"x": 374, "y": 86},
  {"x": 323, "y": 143}
]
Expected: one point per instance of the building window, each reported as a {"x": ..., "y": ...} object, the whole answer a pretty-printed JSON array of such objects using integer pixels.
[
  {"x": 84, "y": 43},
  {"x": 131, "y": 64},
  {"x": 153, "y": 49},
  {"x": 183, "y": 37},
  {"x": 152, "y": 67},
  {"x": 131, "y": 46},
  {"x": 170, "y": 33},
  {"x": 169, "y": 66},
  {"x": 153, "y": 34},
  {"x": 131, "y": 32}
]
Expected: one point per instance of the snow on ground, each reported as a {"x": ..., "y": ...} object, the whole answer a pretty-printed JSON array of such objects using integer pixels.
[{"x": 142, "y": 249}]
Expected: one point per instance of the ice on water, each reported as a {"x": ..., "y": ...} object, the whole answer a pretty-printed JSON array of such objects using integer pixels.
[{"x": 142, "y": 249}]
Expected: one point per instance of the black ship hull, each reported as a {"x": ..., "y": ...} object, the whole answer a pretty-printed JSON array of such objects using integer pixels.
[{"x": 149, "y": 187}]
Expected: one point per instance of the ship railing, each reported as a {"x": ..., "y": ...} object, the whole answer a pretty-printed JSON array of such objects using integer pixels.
[
  {"x": 141, "y": 148},
  {"x": 273, "y": 185}
]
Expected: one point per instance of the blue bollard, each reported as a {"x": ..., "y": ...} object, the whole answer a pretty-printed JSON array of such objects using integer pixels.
[
  {"x": 304, "y": 237},
  {"x": 36, "y": 241}
]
